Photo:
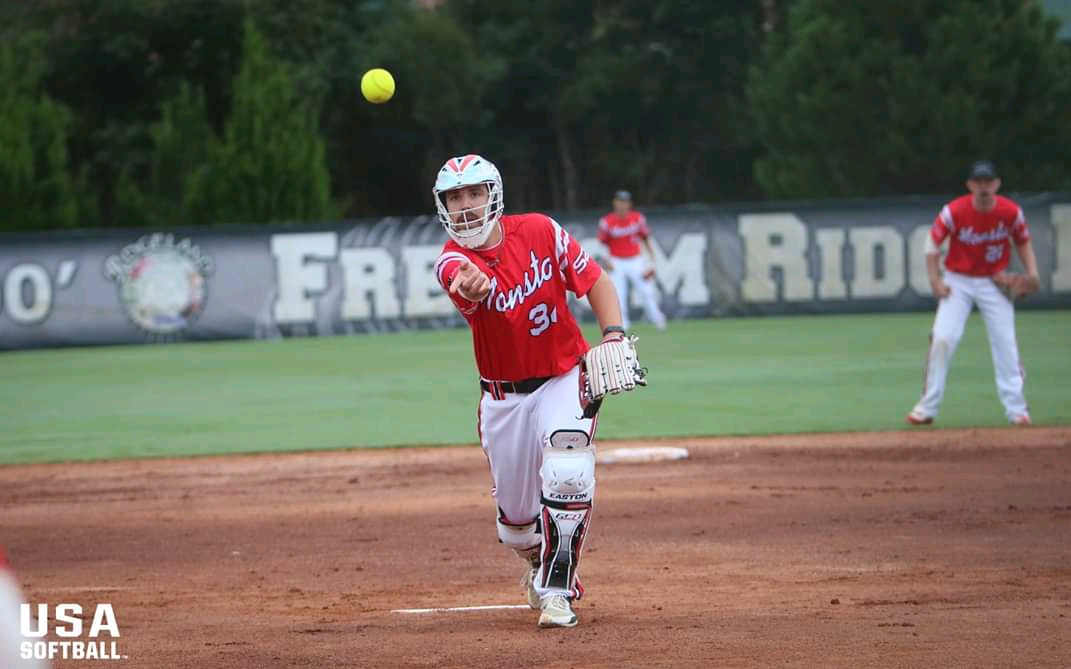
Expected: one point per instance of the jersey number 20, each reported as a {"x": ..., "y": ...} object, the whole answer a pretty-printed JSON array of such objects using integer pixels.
[{"x": 538, "y": 316}]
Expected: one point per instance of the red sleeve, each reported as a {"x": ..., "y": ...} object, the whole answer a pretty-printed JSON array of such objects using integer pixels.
[
  {"x": 575, "y": 264},
  {"x": 604, "y": 230},
  {"x": 1020, "y": 231},
  {"x": 445, "y": 268},
  {"x": 644, "y": 232},
  {"x": 942, "y": 226}
]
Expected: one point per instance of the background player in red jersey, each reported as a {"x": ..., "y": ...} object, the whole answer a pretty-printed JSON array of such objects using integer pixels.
[
  {"x": 979, "y": 227},
  {"x": 622, "y": 231},
  {"x": 508, "y": 275}
]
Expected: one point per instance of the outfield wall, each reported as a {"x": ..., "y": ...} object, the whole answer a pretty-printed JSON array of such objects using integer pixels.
[{"x": 376, "y": 276}]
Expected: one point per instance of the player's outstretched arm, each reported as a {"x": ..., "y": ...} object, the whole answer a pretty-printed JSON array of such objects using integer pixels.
[{"x": 604, "y": 303}]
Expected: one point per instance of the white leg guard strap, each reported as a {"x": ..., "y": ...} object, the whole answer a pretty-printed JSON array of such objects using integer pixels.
[
  {"x": 568, "y": 475},
  {"x": 520, "y": 538}
]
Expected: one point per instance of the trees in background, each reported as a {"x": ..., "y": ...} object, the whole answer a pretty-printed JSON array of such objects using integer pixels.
[
  {"x": 37, "y": 189},
  {"x": 269, "y": 164},
  {"x": 859, "y": 100},
  {"x": 170, "y": 122}
]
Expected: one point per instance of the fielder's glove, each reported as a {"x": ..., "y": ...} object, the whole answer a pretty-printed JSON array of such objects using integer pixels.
[
  {"x": 608, "y": 369},
  {"x": 1015, "y": 285}
]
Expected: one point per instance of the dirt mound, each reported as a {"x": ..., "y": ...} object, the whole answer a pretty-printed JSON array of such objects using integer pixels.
[{"x": 932, "y": 547}]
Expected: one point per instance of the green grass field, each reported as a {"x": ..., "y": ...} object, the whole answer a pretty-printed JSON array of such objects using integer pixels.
[{"x": 713, "y": 377}]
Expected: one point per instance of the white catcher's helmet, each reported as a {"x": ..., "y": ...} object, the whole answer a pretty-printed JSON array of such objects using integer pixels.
[{"x": 470, "y": 170}]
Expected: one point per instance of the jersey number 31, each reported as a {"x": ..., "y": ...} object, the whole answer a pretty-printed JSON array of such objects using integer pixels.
[{"x": 540, "y": 319}]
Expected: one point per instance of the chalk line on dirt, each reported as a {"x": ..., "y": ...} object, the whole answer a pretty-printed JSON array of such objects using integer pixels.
[
  {"x": 85, "y": 588},
  {"x": 487, "y": 607}
]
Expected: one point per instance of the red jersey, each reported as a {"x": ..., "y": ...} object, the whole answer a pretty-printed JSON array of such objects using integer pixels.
[
  {"x": 524, "y": 328},
  {"x": 980, "y": 241},
  {"x": 622, "y": 235}
]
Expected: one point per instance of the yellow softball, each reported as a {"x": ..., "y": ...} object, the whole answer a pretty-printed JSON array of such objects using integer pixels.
[{"x": 377, "y": 86}]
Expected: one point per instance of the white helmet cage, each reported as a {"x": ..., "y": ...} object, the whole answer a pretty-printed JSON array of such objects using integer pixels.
[{"x": 475, "y": 224}]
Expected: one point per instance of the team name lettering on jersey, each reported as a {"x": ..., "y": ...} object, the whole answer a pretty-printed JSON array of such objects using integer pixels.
[
  {"x": 523, "y": 327},
  {"x": 969, "y": 236},
  {"x": 626, "y": 230},
  {"x": 511, "y": 298},
  {"x": 581, "y": 262}
]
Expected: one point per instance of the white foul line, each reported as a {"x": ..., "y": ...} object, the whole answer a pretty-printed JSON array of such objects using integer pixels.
[
  {"x": 87, "y": 588},
  {"x": 464, "y": 608}
]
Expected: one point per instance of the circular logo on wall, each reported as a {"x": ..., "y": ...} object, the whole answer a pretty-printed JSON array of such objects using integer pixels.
[{"x": 162, "y": 284}]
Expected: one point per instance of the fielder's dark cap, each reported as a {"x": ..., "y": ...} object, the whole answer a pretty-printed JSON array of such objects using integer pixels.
[
  {"x": 623, "y": 195},
  {"x": 983, "y": 169}
]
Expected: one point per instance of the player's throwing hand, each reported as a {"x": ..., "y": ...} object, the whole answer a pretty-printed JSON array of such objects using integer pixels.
[
  {"x": 940, "y": 288},
  {"x": 470, "y": 283}
]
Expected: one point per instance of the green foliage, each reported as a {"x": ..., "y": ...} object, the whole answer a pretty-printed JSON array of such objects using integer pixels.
[
  {"x": 435, "y": 64},
  {"x": 36, "y": 187},
  {"x": 181, "y": 140},
  {"x": 856, "y": 100},
  {"x": 270, "y": 163},
  {"x": 677, "y": 100},
  {"x": 113, "y": 62},
  {"x": 647, "y": 95}
]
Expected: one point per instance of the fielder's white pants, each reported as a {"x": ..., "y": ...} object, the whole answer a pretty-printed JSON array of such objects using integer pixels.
[
  {"x": 998, "y": 312},
  {"x": 628, "y": 271},
  {"x": 513, "y": 431}
]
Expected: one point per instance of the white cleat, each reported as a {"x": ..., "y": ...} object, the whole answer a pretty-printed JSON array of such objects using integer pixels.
[
  {"x": 916, "y": 417},
  {"x": 557, "y": 612}
]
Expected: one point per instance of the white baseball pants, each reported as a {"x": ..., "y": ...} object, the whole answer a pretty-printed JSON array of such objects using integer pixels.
[
  {"x": 628, "y": 271},
  {"x": 513, "y": 432},
  {"x": 998, "y": 313}
]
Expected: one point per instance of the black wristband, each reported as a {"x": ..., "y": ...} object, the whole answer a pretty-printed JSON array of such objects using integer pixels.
[{"x": 612, "y": 328}]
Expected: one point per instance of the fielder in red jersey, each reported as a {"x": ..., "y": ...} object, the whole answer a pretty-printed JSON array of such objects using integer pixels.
[
  {"x": 509, "y": 276},
  {"x": 625, "y": 235},
  {"x": 623, "y": 232},
  {"x": 980, "y": 228}
]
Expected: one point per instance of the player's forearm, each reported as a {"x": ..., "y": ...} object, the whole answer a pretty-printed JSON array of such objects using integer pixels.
[
  {"x": 1030, "y": 261},
  {"x": 603, "y": 300},
  {"x": 650, "y": 249},
  {"x": 933, "y": 267}
]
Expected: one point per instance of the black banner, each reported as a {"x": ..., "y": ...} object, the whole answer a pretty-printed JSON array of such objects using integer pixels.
[{"x": 376, "y": 276}]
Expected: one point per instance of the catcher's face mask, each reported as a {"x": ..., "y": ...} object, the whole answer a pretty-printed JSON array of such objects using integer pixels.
[{"x": 468, "y": 197}]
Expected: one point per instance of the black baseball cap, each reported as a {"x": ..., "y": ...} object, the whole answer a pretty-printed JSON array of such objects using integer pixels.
[
  {"x": 623, "y": 195},
  {"x": 983, "y": 169}
]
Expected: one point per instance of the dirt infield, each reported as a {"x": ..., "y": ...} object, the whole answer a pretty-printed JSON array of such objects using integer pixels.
[{"x": 904, "y": 549}]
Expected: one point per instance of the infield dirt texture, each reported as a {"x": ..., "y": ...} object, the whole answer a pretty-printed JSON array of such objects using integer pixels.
[{"x": 899, "y": 548}]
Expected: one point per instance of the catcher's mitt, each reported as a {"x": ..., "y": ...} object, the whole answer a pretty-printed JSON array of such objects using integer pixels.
[
  {"x": 1015, "y": 286},
  {"x": 608, "y": 369}
]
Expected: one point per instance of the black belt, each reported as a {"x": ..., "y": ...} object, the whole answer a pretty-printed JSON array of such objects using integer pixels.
[{"x": 523, "y": 387}]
